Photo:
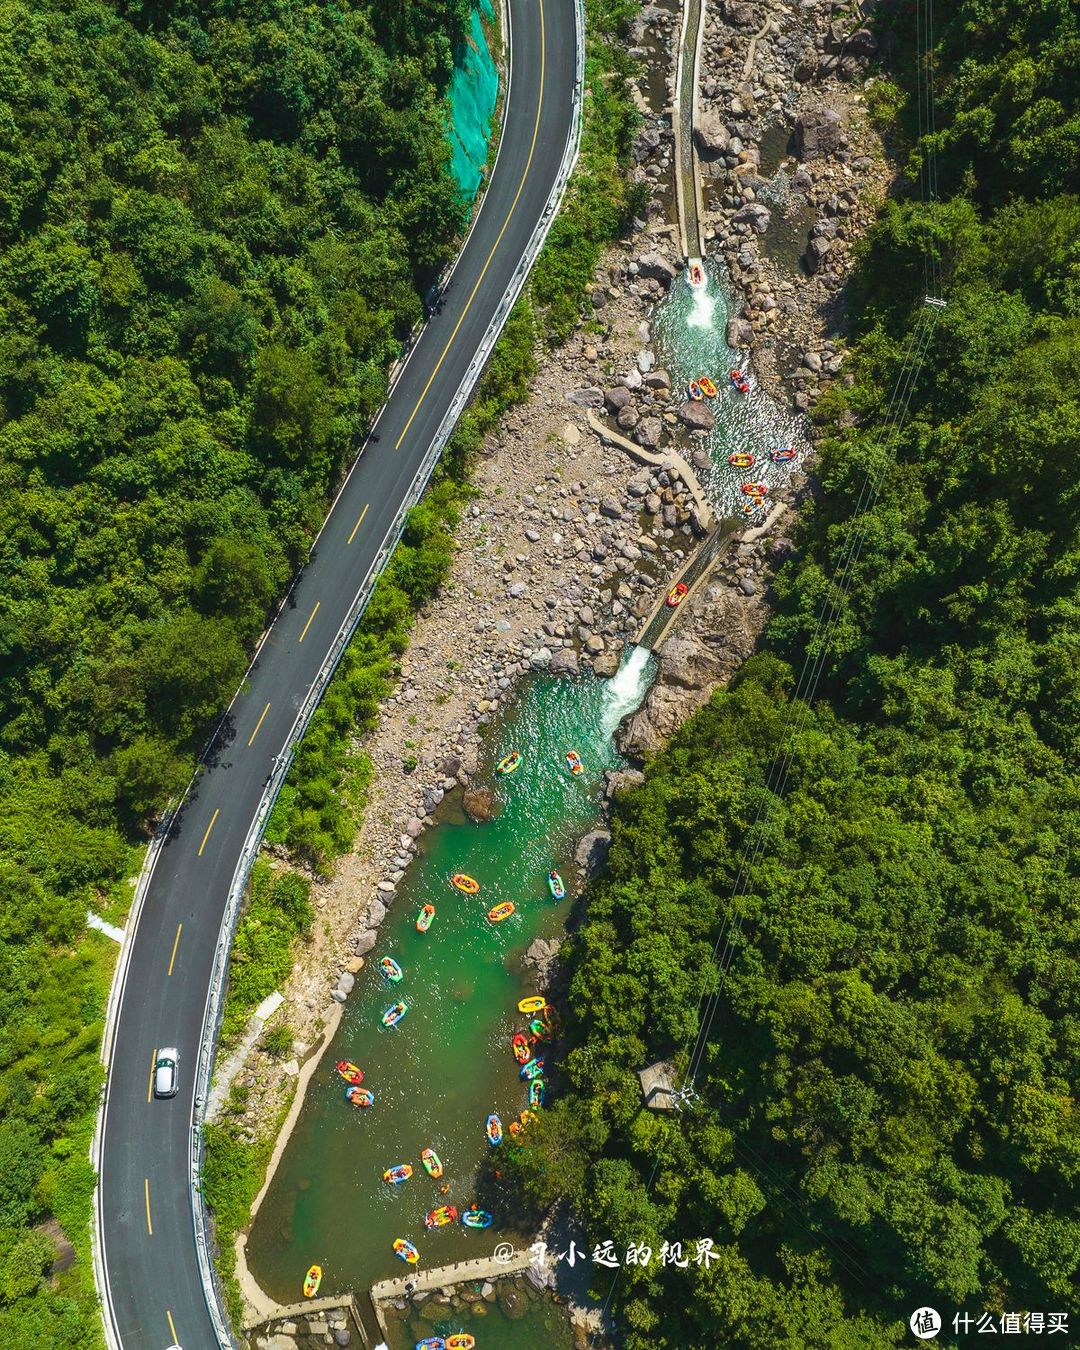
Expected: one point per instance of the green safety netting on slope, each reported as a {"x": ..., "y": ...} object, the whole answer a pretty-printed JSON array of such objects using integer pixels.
[{"x": 472, "y": 93}]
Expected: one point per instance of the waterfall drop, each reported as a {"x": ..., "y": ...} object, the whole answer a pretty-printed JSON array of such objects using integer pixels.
[{"x": 626, "y": 689}]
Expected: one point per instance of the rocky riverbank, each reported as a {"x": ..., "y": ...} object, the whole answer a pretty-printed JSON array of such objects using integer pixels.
[{"x": 793, "y": 167}]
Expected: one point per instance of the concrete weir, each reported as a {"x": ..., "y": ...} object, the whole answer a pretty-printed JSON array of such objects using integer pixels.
[{"x": 688, "y": 200}]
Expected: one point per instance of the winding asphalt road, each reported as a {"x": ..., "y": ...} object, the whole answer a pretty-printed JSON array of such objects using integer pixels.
[{"x": 153, "y": 1295}]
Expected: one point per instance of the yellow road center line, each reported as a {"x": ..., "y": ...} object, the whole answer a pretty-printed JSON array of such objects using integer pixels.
[
  {"x": 150, "y": 1084},
  {"x": 498, "y": 239},
  {"x": 172, "y": 1329},
  {"x": 258, "y": 724},
  {"x": 360, "y": 522},
  {"x": 209, "y": 827},
  {"x": 315, "y": 611},
  {"x": 149, "y": 1225},
  {"x": 176, "y": 943}
]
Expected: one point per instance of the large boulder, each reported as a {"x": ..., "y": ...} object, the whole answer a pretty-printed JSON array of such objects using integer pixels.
[
  {"x": 818, "y": 132},
  {"x": 365, "y": 942},
  {"x": 695, "y": 415},
  {"x": 712, "y": 136},
  {"x": 816, "y": 251},
  {"x": 590, "y": 397},
  {"x": 657, "y": 267},
  {"x": 738, "y": 13},
  {"x": 755, "y": 214},
  {"x": 739, "y": 332},
  {"x": 648, "y": 431},
  {"x": 592, "y": 853},
  {"x": 564, "y": 661},
  {"x": 617, "y": 399},
  {"x": 541, "y": 959},
  {"x": 618, "y": 780},
  {"x": 480, "y": 804}
]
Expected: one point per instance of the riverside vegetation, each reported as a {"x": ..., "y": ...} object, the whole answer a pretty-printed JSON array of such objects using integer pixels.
[
  {"x": 887, "y": 1112},
  {"x": 215, "y": 225}
]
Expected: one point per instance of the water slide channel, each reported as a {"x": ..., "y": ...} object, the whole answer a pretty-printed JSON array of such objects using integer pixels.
[{"x": 438, "y": 1074}]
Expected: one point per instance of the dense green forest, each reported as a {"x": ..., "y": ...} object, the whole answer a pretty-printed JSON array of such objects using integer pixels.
[
  {"x": 216, "y": 217},
  {"x": 887, "y": 1110}
]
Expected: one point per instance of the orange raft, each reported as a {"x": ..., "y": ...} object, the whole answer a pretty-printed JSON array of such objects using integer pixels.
[
  {"x": 467, "y": 884},
  {"x": 501, "y": 912}
]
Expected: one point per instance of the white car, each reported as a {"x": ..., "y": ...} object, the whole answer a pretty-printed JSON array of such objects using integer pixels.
[{"x": 166, "y": 1079}]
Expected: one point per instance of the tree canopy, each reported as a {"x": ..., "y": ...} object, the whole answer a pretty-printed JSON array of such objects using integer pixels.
[{"x": 887, "y": 1111}]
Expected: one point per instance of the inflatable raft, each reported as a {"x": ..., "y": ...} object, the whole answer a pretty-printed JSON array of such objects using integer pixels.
[
  {"x": 555, "y": 885},
  {"x": 534, "y": 1003},
  {"x": 349, "y": 1071},
  {"x": 501, "y": 912},
  {"x": 464, "y": 883},
  {"x": 697, "y": 275},
  {"x": 509, "y": 763},
  {"x": 439, "y": 1218},
  {"x": 520, "y": 1044},
  {"x": 360, "y": 1097},
  {"x": 431, "y": 1343},
  {"x": 783, "y": 455},
  {"x": 476, "y": 1218},
  {"x": 695, "y": 391},
  {"x": 574, "y": 761},
  {"x": 461, "y": 1341},
  {"x": 494, "y": 1130},
  {"x": 739, "y": 380},
  {"x": 707, "y": 386},
  {"x": 536, "y": 1092},
  {"x": 390, "y": 969},
  {"x": 393, "y": 1015},
  {"x": 533, "y": 1069},
  {"x": 394, "y": 1176},
  {"x": 432, "y": 1162},
  {"x": 741, "y": 459},
  {"x": 408, "y": 1253},
  {"x": 424, "y": 918},
  {"x": 312, "y": 1280},
  {"x": 754, "y": 489}
]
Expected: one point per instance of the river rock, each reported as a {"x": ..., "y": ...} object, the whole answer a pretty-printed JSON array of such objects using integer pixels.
[
  {"x": 627, "y": 420},
  {"x": 711, "y": 135},
  {"x": 541, "y": 658},
  {"x": 781, "y": 549},
  {"x": 337, "y": 995},
  {"x": 818, "y": 132},
  {"x": 738, "y": 13},
  {"x": 605, "y": 664},
  {"x": 540, "y": 960},
  {"x": 748, "y": 585},
  {"x": 695, "y": 415},
  {"x": 754, "y": 214},
  {"x": 589, "y": 397},
  {"x": 512, "y": 1301},
  {"x": 480, "y": 804},
  {"x": 346, "y": 981},
  {"x": 658, "y": 379},
  {"x": 648, "y": 431},
  {"x": 617, "y": 399},
  {"x": 376, "y": 912},
  {"x": 415, "y": 828},
  {"x": 591, "y": 853},
  {"x": 619, "y": 780},
  {"x": 739, "y": 332},
  {"x": 816, "y": 251},
  {"x": 564, "y": 662},
  {"x": 279, "y": 1342},
  {"x": 610, "y": 507},
  {"x": 343, "y": 1336},
  {"x": 657, "y": 267},
  {"x": 365, "y": 942}
]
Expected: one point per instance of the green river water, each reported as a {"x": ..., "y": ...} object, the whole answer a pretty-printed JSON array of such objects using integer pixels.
[
  {"x": 449, "y": 1063},
  {"x": 438, "y": 1074}
]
